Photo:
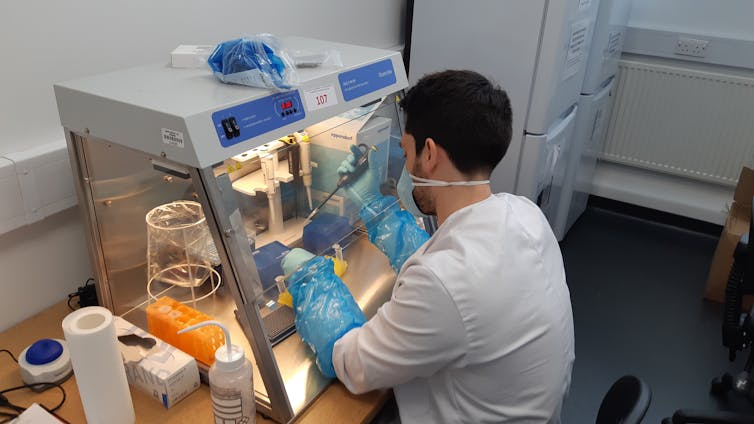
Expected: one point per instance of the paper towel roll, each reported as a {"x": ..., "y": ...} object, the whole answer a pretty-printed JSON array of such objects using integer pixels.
[{"x": 97, "y": 364}]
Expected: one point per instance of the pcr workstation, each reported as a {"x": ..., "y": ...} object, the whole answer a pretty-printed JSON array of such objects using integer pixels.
[{"x": 193, "y": 190}]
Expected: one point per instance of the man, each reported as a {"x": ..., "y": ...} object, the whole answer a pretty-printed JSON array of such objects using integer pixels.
[{"x": 479, "y": 327}]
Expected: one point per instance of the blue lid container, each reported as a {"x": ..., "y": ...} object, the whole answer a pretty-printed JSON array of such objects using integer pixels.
[
  {"x": 325, "y": 230},
  {"x": 268, "y": 259}
]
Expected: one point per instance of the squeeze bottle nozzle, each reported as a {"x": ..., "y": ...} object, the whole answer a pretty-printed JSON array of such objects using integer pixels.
[{"x": 229, "y": 347}]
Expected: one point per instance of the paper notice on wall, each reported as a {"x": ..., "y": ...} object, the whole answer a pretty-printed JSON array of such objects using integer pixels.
[
  {"x": 577, "y": 49},
  {"x": 584, "y": 5},
  {"x": 614, "y": 45}
]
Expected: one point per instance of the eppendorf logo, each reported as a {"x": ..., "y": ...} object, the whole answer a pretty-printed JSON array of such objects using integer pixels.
[{"x": 341, "y": 136}]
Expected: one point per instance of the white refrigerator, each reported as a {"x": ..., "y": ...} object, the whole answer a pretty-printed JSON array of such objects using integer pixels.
[
  {"x": 537, "y": 51},
  {"x": 595, "y": 104}
]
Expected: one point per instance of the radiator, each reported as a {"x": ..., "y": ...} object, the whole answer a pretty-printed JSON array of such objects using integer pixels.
[{"x": 689, "y": 122}]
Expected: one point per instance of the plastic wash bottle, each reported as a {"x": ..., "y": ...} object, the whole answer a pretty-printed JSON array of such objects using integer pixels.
[{"x": 231, "y": 382}]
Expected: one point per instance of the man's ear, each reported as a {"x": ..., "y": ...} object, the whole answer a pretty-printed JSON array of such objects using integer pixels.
[{"x": 431, "y": 152}]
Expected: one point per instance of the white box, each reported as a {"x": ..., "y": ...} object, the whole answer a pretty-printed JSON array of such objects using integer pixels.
[
  {"x": 186, "y": 56},
  {"x": 340, "y": 132},
  {"x": 331, "y": 142},
  {"x": 332, "y": 139},
  {"x": 163, "y": 372}
]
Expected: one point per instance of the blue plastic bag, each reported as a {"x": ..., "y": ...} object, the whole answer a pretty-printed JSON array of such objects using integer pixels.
[
  {"x": 256, "y": 61},
  {"x": 325, "y": 309},
  {"x": 393, "y": 230}
]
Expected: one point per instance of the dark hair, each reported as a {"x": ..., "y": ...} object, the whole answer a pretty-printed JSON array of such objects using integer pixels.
[{"x": 465, "y": 113}]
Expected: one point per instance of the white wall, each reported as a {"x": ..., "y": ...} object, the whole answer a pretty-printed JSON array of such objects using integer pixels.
[
  {"x": 653, "y": 30},
  {"x": 721, "y": 18},
  {"x": 49, "y": 41},
  {"x": 40, "y": 264}
]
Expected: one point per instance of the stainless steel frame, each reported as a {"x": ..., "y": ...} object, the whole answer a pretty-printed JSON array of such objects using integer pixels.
[{"x": 84, "y": 194}]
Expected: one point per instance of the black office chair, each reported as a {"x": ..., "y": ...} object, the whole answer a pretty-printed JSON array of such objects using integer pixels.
[
  {"x": 626, "y": 402},
  {"x": 738, "y": 329},
  {"x": 690, "y": 416}
]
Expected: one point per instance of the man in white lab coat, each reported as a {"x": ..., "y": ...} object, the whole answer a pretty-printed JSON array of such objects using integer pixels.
[{"x": 479, "y": 327}]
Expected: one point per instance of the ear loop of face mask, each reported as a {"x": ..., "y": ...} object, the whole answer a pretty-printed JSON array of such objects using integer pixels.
[{"x": 426, "y": 182}]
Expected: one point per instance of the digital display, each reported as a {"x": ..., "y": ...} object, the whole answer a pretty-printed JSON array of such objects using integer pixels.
[{"x": 287, "y": 104}]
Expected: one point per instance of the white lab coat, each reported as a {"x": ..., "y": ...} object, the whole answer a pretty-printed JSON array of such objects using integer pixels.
[{"x": 479, "y": 327}]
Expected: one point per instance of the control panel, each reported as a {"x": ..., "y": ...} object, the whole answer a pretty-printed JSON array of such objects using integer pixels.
[{"x": 248, "y": 120}]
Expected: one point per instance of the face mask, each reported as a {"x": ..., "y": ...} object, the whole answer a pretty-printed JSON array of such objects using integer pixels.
[
  {"x": 406, "y": 186},
  {"x": 406, "y": 194}
]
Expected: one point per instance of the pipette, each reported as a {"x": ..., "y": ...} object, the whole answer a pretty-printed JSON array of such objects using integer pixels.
[
  {"x": 361, "y": 165},
  {"x": 306, "y": 163}
]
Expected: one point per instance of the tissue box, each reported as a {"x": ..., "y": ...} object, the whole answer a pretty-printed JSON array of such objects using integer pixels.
[{"x": 162, "y": 371}]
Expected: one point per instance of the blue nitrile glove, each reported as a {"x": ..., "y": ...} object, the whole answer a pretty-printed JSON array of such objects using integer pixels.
[
  {"x": 365, "y": 188},
  {"x": 254, "y": 61},
  {"x": 325, "y": 309}
]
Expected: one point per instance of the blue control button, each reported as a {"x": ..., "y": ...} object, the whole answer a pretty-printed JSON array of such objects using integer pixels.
[{"x": 44, "y": 351}]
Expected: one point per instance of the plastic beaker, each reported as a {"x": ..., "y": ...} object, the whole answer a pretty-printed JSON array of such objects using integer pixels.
[{"x": 178, "y": 246}]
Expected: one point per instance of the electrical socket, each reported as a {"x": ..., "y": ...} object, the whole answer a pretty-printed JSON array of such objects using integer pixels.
[{"x": 691, "y": 47}]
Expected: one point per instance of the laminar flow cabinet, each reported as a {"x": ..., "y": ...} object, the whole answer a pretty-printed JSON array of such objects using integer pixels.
[{"x": 243, "y": 167}]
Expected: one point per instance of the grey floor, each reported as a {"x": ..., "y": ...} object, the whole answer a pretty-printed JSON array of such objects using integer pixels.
[{"x": 636, "y": 288}]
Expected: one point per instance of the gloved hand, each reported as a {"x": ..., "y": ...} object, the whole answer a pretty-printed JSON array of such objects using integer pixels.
[
  {"x": 325, "y": 309},
  {"x": 295, "y": 258},
  {"x": 365, "y": 188}
]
